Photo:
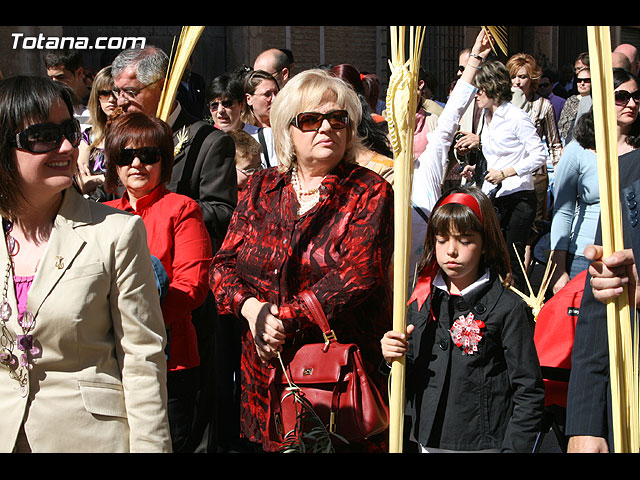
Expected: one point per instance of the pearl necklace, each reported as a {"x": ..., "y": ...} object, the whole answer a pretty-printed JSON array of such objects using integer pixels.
[
  {"x": 307, "y": 199},
  {"x": 18, "y": 367}
]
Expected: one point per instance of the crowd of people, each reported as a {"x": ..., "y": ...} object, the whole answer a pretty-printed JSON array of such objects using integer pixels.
[{"x": 156, "y": 271}]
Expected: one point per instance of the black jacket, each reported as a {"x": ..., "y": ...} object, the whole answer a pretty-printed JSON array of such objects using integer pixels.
[
  {"x": 492, "y": 399},
  {"x": 205, "y": 170}
]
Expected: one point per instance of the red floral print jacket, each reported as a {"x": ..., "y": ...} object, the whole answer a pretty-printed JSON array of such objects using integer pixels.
[{"x": 340, "y": 250}]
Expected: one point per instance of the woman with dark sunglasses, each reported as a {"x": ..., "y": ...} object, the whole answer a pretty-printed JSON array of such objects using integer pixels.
[
  {"x": 319, "y": 224},
  {"x": 577, "y": 187},
  {"x": 226, "y": 102},
  {"x": 102, "y": 104},
  {"x": 82, "y": 366},
  {"x": 576, "y": 105},
  {"x": 139, "y": 153}
]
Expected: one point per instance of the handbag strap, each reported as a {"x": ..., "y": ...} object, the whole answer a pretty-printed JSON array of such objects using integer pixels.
[
  {"x": 318, "y": 316},
  {"x": 263, "y": 144}
]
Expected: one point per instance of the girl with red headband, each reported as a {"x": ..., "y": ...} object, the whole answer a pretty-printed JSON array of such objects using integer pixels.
[{"x": 473, "y": 377}]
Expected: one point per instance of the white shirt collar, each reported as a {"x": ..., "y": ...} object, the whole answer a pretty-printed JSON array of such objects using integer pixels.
[{"x": 439, "y": 282}]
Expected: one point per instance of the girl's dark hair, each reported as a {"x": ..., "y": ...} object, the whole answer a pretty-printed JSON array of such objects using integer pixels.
[
  {"x": 495, "y": 81},
  {"x": 585, "y": 133},
  {"x": 136, "y": 130},
  {"x": 458, "y": 218},
  {"x": 374, "y": 137},
  {"x": 24, "y": 101},
  {"x": 620, "y": 76}
]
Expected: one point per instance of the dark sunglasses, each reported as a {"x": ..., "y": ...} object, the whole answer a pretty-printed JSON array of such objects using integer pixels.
[
  {"x": 311, "y": 121},
  {"x": 622, "y": 97},
  {"x": 224, "y": 103},
  {"x": 583, "y": 80},
  {"x": 45, "y": 137},
  {"x": 147, "y": 155}
]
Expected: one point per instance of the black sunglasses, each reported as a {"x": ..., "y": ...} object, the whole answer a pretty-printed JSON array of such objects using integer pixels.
[
  {"x": 224, "y": 103},
  {"x": 622, "y": 97},
  {"x": 147, "y": 155},
  {"x": 45, "y": 137},
  {"x": 311, "y": 121}
]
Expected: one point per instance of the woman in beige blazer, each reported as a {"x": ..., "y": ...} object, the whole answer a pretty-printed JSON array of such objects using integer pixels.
[{"x": 82, "y": 367}]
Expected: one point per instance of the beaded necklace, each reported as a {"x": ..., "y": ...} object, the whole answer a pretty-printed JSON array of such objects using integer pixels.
[
  {"x": 307, "y": 199},
  {"x": 18, "y": 366}
]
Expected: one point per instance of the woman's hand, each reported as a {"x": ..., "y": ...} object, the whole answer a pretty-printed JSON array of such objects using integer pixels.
[
  {"x": 467, "y": 172},
  {"x": 482, "y": 45},
  {"x": 267, "y": 329},
  {"x": 494, "y": 176},
  {"x": 83, "y": 160},
  {"x": 395, "y": 344},
  {"x": 89, "y": 183},
  {"x": 466, "y": 143},
  {"x": 559, "y": 280}
]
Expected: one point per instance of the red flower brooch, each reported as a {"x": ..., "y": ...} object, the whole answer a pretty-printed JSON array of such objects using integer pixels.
[{"x": 466, "y": 333}]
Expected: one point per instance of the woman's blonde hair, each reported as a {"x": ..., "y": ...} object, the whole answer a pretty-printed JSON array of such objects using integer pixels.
[
  {"x": 98, "y": 119},
  {"x": 304, "y": 92}
]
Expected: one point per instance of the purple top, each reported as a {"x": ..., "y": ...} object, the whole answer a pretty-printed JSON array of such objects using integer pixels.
[{"x": 22, "y": 289}]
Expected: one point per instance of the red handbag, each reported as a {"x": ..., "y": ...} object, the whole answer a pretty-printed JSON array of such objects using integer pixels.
[{"x": 332, "y": 378}]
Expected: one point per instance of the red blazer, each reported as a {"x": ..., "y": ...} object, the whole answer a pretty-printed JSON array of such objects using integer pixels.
[{"x": 177, "y": 236}]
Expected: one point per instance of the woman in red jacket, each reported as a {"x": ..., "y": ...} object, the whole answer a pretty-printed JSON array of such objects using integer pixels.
[{"x": 139, "y": 153}]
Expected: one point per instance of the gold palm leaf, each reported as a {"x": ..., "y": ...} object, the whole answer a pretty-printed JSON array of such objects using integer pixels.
[
  {"x": 535, "y": 301},
  {"x": 401, "y": 107},
  {"x": 499, "y": 36},
  {"x": 188, "y": 38}
]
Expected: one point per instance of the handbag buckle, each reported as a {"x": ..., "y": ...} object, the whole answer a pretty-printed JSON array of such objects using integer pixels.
[
  {"x": 329, "y": 337},
  {"x": 332, "y": 421}
]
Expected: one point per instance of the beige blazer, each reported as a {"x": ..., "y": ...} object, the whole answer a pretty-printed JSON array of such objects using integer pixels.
[{"x": 99, "y": 384}]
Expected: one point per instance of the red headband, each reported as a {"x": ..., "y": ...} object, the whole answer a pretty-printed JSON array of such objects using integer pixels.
[
  {"x": 464, "y": 199},
  {"x": 423, "y": 287}
]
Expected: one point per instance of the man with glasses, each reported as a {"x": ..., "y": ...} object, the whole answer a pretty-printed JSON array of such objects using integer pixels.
[
  {"x": 204, "y": 169},
  {"x": 276, "y": 62}
]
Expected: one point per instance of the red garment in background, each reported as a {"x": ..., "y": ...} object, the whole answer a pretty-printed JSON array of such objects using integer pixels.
[
  {"x": 553, "y": 336},
  {"x": 340, "y": 250},
  {"x": 177, "y": 236}
]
